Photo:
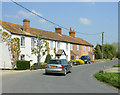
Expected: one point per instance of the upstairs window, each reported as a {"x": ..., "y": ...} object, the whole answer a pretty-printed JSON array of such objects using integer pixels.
[
  {"x": 66, "y": 46},
  {"x": 88, "y": 48},
  {"x": 51, "y": 45},
  {"x": 71, "y": 47},
  {"x": 77, "y": 47},
  {"x": 32, "y": 42},
  {"x": 58, "y": 45},
  {"x": 84, "y": 48},
  {"x": 22, "y": 41}
]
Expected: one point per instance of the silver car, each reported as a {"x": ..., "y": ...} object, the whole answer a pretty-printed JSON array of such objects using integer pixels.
[{"x": 58, "y": 66}]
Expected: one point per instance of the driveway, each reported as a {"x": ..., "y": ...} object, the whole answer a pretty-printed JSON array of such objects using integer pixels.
[{"x": 81, "y": 80}]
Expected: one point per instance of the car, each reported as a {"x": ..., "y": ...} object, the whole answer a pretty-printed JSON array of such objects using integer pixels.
[
  {"x": 86, "y": 59},
  {"x": 58, "y": 66}
]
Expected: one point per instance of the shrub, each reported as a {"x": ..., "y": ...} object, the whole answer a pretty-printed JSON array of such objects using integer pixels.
[
  {"x": 23, "y": 65},
  {"x": 79, "y": 62},
  {"x": 48, "y": 57}
]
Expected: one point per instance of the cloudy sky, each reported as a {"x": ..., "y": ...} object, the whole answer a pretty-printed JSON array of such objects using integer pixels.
[{"x": 88, "y": 19}]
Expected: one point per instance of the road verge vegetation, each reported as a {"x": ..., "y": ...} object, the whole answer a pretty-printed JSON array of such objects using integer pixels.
[
  {"x": 117, "y": 65},
  {"x": 109, "y": 78}
]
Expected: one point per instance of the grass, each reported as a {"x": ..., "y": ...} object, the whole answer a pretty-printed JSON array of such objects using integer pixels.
[
  {"x": 109, "y": 78},
  {"x": 117, "y": 65}
]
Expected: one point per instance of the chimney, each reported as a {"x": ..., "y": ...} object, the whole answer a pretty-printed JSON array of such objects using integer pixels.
[
  {"x": 26, "y": 25},
  {"x": 71, "y": 32},
  {"x": 58, "y": 30}
]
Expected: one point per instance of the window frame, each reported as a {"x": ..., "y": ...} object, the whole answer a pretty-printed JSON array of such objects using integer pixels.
[
  {"x": 21, "y": 41},
  {"x": 77, "y": 47}
]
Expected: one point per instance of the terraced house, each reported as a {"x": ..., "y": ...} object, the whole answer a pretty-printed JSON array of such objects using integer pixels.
[{"x": 67, "y": 47}]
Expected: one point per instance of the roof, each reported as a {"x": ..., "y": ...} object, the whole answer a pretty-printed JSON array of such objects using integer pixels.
[{"x": 17, "y": 29}]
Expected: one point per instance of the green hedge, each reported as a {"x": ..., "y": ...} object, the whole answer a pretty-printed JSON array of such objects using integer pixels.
[
  {"x": 23, "y": 65},
  {"x": 109, "y": 78}
]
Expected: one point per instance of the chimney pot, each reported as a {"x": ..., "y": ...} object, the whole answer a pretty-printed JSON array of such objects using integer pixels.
[
  {"x": 26, "y": 25},
  {"x": 58, "y": 30}
]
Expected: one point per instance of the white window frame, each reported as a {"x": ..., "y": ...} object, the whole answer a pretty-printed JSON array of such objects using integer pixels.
[
  {"x": 32, "y": 42},
  {"x": 58, "y": 45},
  {"x": 84, "y": 48},
  {"x": 51, "y": 45},
  {"x": 66, "y": 46},
  {"x": 77, "y": 47},
  {"x": 22, "y": 43},
  {"x": 88, "y": 48},
  {"x": 71, "y": 46}
]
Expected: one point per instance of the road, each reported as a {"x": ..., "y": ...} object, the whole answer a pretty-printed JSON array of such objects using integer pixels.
[{"x": 81, "y": 80}]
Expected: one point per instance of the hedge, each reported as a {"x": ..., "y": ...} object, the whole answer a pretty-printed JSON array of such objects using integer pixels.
[{"x": 23, "y": 65}]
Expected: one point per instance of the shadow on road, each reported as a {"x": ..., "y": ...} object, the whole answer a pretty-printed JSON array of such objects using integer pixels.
[{"x": 52, "y": 74}]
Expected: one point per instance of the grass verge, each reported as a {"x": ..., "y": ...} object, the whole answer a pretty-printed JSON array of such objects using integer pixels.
[
  {"x": 117, "y": 65},
  {"x": 109, "y": 78}
]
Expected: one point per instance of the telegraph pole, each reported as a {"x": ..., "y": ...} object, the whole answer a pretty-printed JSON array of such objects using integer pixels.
[{"x": 102, "y": 43}]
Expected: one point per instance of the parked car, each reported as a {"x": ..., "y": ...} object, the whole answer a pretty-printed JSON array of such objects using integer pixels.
[
  {"x": 86, "y": 59},
  {"x": 58, "y": 66}
]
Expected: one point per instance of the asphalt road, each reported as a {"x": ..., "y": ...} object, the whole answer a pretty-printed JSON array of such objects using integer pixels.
[{"x": 81, "y": 80}]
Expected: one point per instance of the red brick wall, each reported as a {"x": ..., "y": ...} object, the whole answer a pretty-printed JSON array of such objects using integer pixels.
[{"x": 81, "y": 52}]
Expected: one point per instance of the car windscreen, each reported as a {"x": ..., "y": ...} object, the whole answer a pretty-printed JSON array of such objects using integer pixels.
[
  {"x": 54, "y": 62},
  {"x": 83, "y": 57}
]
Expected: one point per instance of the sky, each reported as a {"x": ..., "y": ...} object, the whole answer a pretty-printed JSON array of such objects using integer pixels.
[{"x": 90, "y": 18}]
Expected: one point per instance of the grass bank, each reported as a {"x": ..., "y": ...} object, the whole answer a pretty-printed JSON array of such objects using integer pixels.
[{"x": 109, "y": 78}]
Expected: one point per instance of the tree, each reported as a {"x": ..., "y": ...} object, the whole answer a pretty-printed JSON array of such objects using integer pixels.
[
  {"x": 40, "y": 48},
  {"x": 109, "y": 51},
  {"x": 13, "y": 47},
  {"x": 98, "y": 54}
]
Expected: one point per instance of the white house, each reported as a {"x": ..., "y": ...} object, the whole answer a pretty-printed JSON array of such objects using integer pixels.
[{"x": 56, "y": 39}]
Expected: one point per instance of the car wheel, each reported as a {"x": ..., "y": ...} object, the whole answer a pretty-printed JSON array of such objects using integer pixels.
[{"x": 65, "y": 72}]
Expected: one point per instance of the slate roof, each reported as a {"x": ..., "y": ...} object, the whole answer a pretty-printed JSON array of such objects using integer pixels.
[{"x": 17, "y": 29}]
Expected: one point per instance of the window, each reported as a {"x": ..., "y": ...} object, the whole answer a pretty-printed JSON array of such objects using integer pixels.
[
  {"x": 76, "y": 56},
  {"x": 51, "y": 45},
  {"x": 66, "y": 46},
  {"x": 71, "y": 47},
  {"x": 88, "y": 48},
  {"x": 66, "y": 57},
  {"x": 32, "y": 42},
  {"x": 22, "y": 57},
  {"x": 58, "y": 45},
  {"x": 72, "y": 57},
  {"x": 77, "y": 47},
  {"x": 22, "y": 41},
  {"x": 83, "y": 48}
]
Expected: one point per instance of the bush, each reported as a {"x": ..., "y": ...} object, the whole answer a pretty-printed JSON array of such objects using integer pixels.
[
  {"x": 72, "y": 62},
  {"x": 23, "y": 65},
  {"x": 48, "y": 57},
  {"x": 79, "y": 62}
]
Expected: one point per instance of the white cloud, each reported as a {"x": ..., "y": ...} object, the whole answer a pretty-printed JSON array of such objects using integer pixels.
[
  {"x": 42, "y": 21},
  {"x": 11, "y": 16},
  {"x": 24, "y": 14},
  {"x": 85, "y": 21}
]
